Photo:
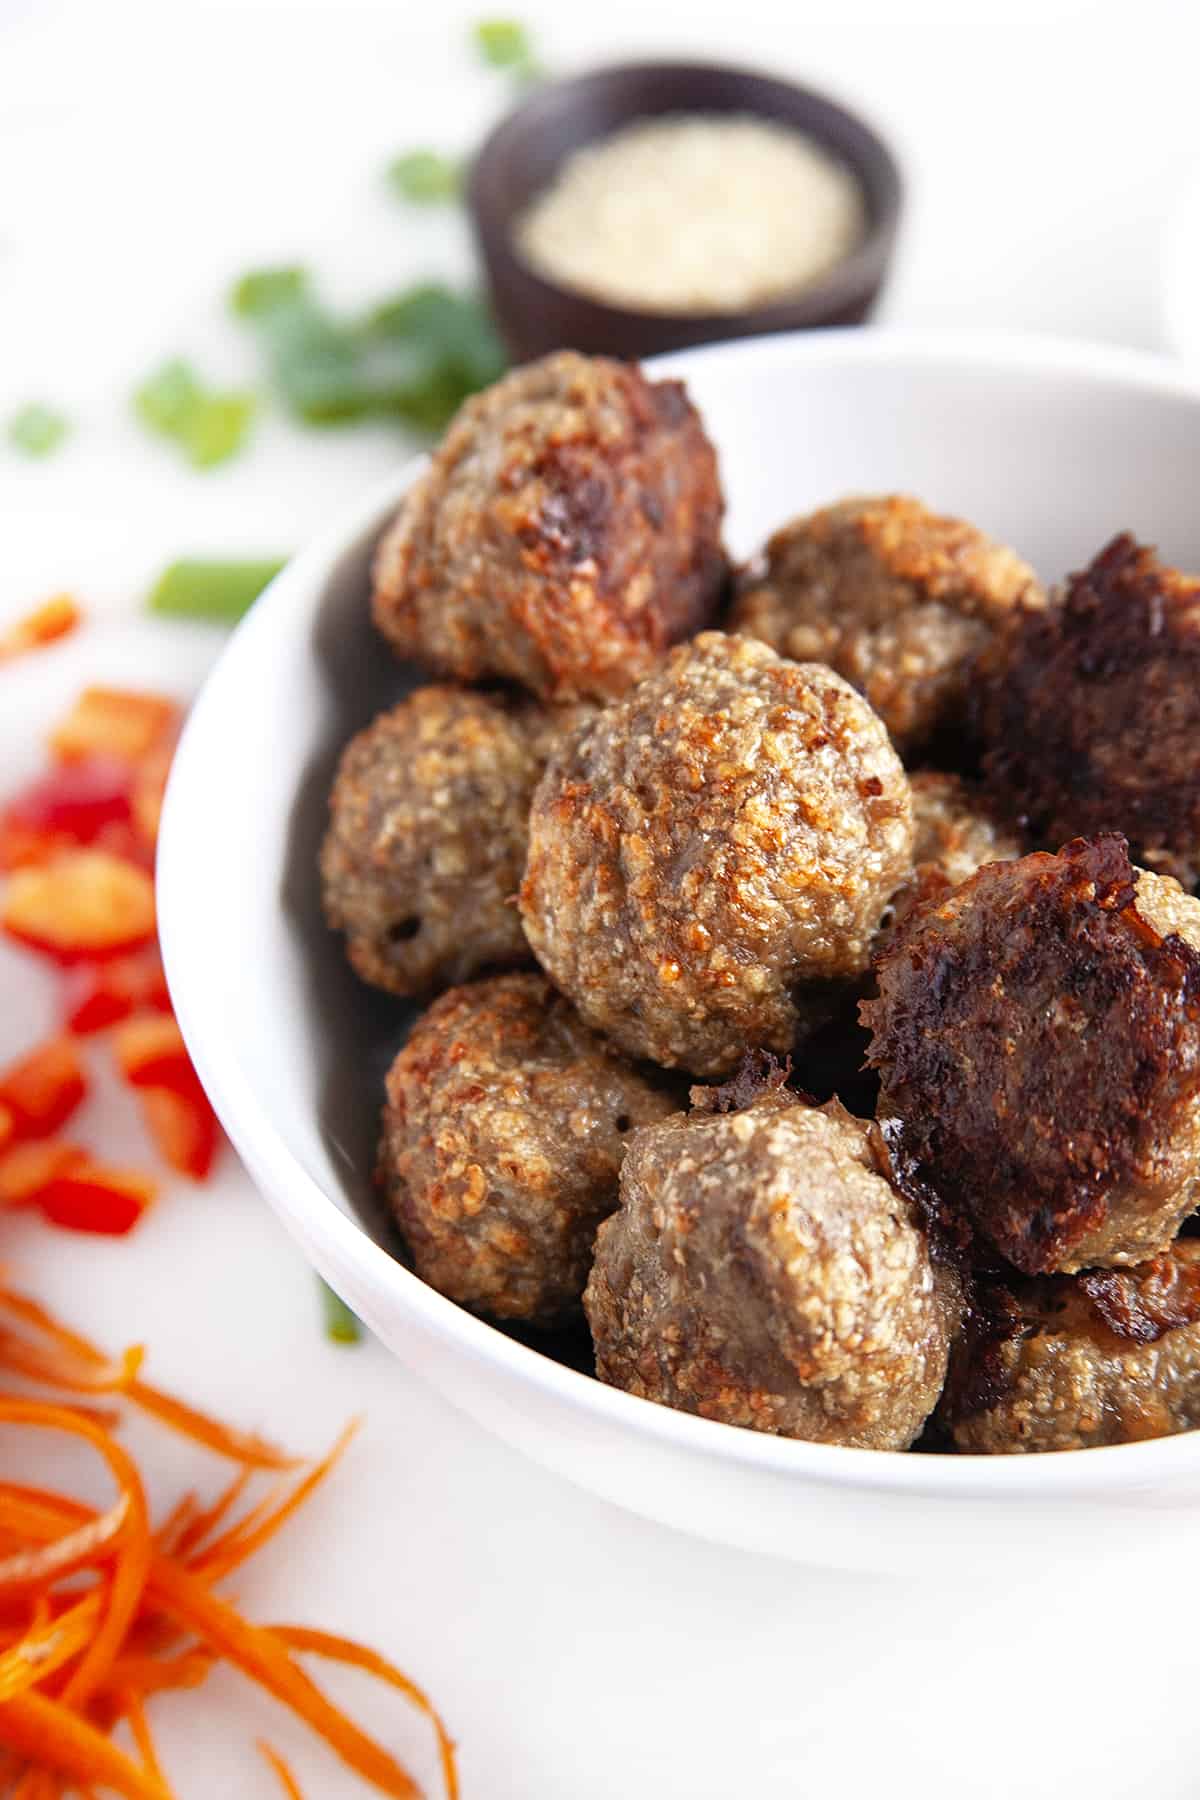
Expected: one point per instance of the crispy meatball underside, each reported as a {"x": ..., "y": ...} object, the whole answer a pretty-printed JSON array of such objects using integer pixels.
[
  {"x": 761, "y": 1271},
  {"x": 1070, "y": 1362},
  {"x": 503, "y": 1134},
  {"x": 709, "y": 857},
  {"x": 1037, "y": 1037},
  {"x": 567, "y": 531}
]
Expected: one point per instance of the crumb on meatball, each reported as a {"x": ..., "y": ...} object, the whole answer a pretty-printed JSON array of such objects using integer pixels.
[
  {"x": 954, "y": 834},
  {"x": 1067, "y": 1362},
  {"x": 711, "y": 856},
  {"x": 1089, "y": 712},
  {"x": 1037, "y": 1037},
  {"x": 760, "y": 1270},
  {"x": 566, "y": 532},
  {"x": 429, "y": 818},
  {"x": 505, "y": 1125},
  {"x": 896, "y": 598}
]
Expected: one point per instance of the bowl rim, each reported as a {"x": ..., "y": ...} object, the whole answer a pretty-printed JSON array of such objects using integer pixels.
[
  {"x": 860, "y": 270},
  {"x": 288, "y": 604}
]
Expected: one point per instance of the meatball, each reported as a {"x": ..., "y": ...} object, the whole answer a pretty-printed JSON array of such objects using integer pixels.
[
  {"x": 1089, "y": 712},
  {"x": 894, "y": 597},
  {"x": 503, "y": 1133},
  {"x": 954, "y": 834},
  {"x": 710, "y": 854},
  {"x": 1067, "y": 1362},
  {"x": 761, "y": 1271},
  {"x": 429, "y": 818},
  {"x": 1037, "y": 1036},
  {"x": 566, "y": 532}
]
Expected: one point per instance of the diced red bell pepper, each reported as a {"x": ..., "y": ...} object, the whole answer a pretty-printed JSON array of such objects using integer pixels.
[
  {"x": 42, "y": 1090},
  {"x": 81, "y": 803},
  {"x": 114, "y": 722},
  {"x": 91, "y": 1196},
  {"x": 26, "y": 1170},
  {"x": 46, "y": 623},
  {"x": 97, "y": 995},
  {"x": 184, "y": 1128},
  {"x": 150, "y": 1053},
  {"x": 84, "y": 904},
  {"x": 8, "y": 1126}
]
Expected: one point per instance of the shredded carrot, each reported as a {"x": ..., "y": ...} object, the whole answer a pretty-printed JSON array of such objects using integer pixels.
[
  {"x": 263, "y": 1657},
  {"x": 38, "y": 1784},
  {"x": 134, "y": 1549},
  {"x": 46, "y": 1647},
  {"x": 205, "y": 1520},
  {"x": 51, "y": 1735},
  {"x": 146, "y": 1675},
  {"x": 80, "y": 1365},
  {"x": 99, "y": 1612},
  {"x": 287, "y": 1780},
  {"x": 135, "y": 1712},
  {"x": 27, "y": 1568},
  {"x": 357, "y": 1656},
  {"x": 239, "y": 1544}
]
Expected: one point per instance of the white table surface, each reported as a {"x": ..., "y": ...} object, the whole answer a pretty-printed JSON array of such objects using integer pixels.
[{"x": 149, "y": 152}]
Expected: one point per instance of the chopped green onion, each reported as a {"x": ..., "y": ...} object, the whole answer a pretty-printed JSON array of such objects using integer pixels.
[
  {"x": 37, "y": 430},
  {"x": 217, "y": 592},
  {"x": 341, "y": 1325},
  {"x": 311, "y": 357},
  {"x": 425, "y": 177},
  {"x": 415, "y": 357},
  {"x": 503, "y": 43},
  {"x": 208, "y": 425},
  {"x": 432, "y": 347},
  {"x": 166, "y": 399},
  {"x": 262, "y": 289},
  {"x": 218, "y": 428}
]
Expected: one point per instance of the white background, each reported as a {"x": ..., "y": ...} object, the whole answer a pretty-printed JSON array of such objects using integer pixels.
[{"x": 147, "y": 154}]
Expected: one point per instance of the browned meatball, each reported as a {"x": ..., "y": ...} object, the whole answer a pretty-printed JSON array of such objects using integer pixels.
[
  {"x": 1037, "y": 1035},
  {"x": 708, "y": 855},
  {"x": 899, "y": 600},
  {"x": 1090, "y": 712},
  {"x": 1068, "y": 1362},
  {"x": 503, "y": 1133},
  {"x": 761, "y": 1271},
  {"x": 566, "y": 532},
  {"x": 954, "y": 834},
  {"x": 429, "y": 819}
]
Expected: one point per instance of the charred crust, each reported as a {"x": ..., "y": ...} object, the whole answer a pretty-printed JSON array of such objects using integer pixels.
[
  {"x": 1143, "y": 1304},
  {"x": 566, "y": 533},
  {"x": 758, "y": 1073},
  {"x": 997, "y": 1115},
  {"x": 1089, "y": 711},
  {"x": 952, "y": 1237}
]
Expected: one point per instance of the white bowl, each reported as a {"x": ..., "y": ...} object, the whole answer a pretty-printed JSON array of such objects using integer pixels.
[{"x": 1053, "y": 447}]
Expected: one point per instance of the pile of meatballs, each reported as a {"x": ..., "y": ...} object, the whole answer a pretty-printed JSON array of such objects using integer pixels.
[{"x": 685, "y": 856}]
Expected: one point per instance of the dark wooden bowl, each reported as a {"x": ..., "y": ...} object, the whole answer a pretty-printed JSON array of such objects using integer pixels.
[{"x": 520, "y": 157}]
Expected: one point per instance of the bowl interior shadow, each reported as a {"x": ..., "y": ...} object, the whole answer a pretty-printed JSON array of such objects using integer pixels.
[{"x": 362, "y": 1028}]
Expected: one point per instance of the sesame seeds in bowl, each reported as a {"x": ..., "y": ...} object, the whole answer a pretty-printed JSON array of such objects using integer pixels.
[{"x": 695, "y": 213}]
